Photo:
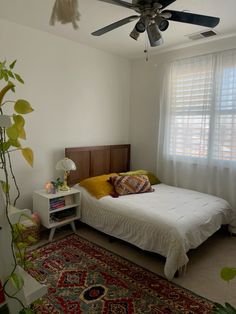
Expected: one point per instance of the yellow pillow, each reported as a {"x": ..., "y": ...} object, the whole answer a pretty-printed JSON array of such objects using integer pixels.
[
  {"x": 152, "y": 178},
  {"x": 98, "y": 186}
]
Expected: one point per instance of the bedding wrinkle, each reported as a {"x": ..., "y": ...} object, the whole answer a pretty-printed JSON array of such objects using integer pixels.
[{"x": 169, "y": 221}]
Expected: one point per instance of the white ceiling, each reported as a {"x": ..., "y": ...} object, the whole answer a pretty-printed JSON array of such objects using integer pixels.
[{"x": 96, "y": 14}]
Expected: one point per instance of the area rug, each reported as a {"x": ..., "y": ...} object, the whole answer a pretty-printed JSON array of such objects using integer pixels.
[{"x": 82, "y": 277}]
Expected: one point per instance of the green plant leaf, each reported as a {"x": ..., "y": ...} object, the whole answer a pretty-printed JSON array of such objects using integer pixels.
[
  {"x": 5, "y": 89},
  {"x": 13, "y": 87},
  {"x": 35, "y": 254},
  {"x": 39, "y": 301},
  {"x": 12, "y": 132},
  {"x": 29, "y": 265},
  {"x": 26, "y": 311},
  {"x": 18, "y": 255},
  {"x": 5, "y": 75},
  {"x": 17, "y": 281},
  {"x": 230, "y": 308},
  {"x": 22, "y": 106},
  {"x": 11, "y": 66},
  {"x": 15, "y": 143},
  {"x": 31, "y": 239},
  {"x": 5, "y": 187},
  {"x": 5, "y": 146},
  {"x": 228, "y": 273},
  {"x": 22, "y": 245},
  {"x": 10, "y": 74},
  {"x": 221, "y": 309},
  {"x": 22, "y": 134},
  {"x": 20, "y": 227},
  {"x": 28, "y": 155},
  {"x": 19, "y": 79},
  {"x": 15, "y": 233},
  {"x": 3, "y": 64},
  {"x": 19, "y": 121}
]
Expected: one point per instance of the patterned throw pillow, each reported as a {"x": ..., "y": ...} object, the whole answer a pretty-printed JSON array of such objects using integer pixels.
[
  {"x": 152, "y": 178},
  {"x": 124, "y": 185}
]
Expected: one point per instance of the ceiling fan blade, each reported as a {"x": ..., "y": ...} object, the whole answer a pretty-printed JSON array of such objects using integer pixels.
[
  {"x": 165, "y": 3},
  {"x": 117, "y": 24},
  {"x": 191, "y": 18},
  {"x": 120, "y": 3}
]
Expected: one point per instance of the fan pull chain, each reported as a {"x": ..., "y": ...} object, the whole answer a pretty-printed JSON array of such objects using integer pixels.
[
  {"x": 146, "y": 50},
  {"x": 65, "y": 11}
]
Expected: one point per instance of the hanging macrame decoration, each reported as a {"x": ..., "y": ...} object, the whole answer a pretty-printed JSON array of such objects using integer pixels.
[{"x": 65, "y": 11}]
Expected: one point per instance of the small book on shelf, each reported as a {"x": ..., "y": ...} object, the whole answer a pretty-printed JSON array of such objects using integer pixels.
[
  {"x": 56, "y": 203},
  {"x": 69, "y": 200},
  {"x": 63, "y": 215}
]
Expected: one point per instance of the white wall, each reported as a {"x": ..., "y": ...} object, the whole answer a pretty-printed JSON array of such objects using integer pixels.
[
  {"x": 146, "y": 82},
  {"x": 80, "y": 96}
]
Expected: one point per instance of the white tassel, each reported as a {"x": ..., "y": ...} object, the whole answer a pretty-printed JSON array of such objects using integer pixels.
[{"x": 65, "y": 11}]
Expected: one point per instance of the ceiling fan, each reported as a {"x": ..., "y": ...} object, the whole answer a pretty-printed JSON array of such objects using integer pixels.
[{"x": 154, "y": 19}]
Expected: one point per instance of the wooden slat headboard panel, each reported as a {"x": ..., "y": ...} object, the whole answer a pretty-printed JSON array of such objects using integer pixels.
[{"x": 97, "y": 160}]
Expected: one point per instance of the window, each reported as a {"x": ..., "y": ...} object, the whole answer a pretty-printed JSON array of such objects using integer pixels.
[{"x": 203, "y": 107}]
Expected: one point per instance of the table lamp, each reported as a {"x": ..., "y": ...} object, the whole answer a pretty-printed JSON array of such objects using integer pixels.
[{"x": 66, "y": 165}]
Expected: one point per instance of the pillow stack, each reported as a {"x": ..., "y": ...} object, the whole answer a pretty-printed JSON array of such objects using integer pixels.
[{"x": 124, "y": 183}]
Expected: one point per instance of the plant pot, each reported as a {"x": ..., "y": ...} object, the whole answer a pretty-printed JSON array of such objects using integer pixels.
[{"x": 31, "y": 290}]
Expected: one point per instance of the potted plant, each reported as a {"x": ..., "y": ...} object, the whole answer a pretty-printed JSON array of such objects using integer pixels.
[
  {"x": 57, "y": 184},
  {"x": 227, "y": 274},
  {"x": 12, "y": 131}
]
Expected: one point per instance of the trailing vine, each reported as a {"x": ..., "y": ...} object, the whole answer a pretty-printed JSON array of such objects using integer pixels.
[{"x": 11, "y": 132}]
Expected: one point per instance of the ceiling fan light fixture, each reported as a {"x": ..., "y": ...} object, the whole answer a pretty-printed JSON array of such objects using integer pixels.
[
  {"x": 154, "y": 35},
  {"x": 163, "y": 25},
  {"x": 140, "y": 26}
]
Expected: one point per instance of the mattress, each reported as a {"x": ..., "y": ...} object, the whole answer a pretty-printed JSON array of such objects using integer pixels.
[{"x": 169, "y": 221}]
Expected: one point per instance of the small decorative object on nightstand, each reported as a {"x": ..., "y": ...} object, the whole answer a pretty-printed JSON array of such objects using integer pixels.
[
  {"x": 66, "y": 165},
  {"x": 48, "y": 187},
  {"x": 58, "y": 209}
]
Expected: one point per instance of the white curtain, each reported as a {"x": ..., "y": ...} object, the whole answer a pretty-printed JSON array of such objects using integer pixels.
[{"x": 197, "y": 125}]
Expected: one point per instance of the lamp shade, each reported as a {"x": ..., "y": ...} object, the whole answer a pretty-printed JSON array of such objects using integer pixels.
[{"x": 66, "y": 164}]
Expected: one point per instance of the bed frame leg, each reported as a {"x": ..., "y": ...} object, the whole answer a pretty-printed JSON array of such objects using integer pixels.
[{"x": 232, "y": 230}]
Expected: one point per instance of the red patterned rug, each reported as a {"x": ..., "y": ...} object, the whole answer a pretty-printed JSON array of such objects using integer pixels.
[{"x": 85, "y": 278}]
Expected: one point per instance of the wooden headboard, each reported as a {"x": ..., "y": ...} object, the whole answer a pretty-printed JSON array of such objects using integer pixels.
[{"x": 97, "y": 160}]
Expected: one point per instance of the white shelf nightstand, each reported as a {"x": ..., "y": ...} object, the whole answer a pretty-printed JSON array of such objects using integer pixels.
[{"x": 58, "y": 209}]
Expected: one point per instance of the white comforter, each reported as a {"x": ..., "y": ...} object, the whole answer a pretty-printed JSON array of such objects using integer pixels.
[{"x": 168, "y": 221}]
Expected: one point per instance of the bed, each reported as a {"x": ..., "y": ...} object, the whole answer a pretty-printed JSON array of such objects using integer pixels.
[{"x": 169, "y": 221}]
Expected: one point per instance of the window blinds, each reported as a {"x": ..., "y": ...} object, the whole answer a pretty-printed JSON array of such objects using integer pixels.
[{"x": 203, "y": 107}]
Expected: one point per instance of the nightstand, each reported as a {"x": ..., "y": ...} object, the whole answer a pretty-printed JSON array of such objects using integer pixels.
[{"x": 57, "y": 209}]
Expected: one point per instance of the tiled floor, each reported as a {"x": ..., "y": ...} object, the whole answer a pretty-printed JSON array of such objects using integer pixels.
[{"x": 205, "y": 262}]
